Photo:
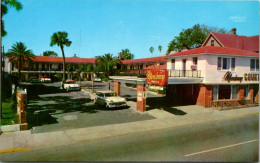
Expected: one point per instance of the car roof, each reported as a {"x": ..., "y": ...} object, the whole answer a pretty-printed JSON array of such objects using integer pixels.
[{"x": 105, "y": 91}]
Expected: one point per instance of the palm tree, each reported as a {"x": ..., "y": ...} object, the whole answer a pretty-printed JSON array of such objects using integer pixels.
[
  {"x": 79, "y": 70},
  {"x": 4, "y": 10},
  {"x": 151, "y": 49},
  {"x": 69, "y": 69},
  {"x": 60, "y": 39},
  {"x": 160, "y": 48},
  {"x": 108, "y": 62},
  {"x": 19, "y": 54}
]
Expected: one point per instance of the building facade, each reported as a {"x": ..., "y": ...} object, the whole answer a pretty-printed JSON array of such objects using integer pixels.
[{"x": 213, "y": 75}]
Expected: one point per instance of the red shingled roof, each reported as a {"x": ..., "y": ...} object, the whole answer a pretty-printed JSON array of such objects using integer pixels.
[
  {"x": 215, "y": 50},
  {"x": 67, "y": 59},
  {"x": 238, "y": 42},
  {"x": 160, "y": 67},
  {"x": 141, "y": 60}
]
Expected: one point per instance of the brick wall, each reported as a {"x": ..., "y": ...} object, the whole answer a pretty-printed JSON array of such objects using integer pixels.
[
  {"x": 241, "y": 92},
  {"x": 205, "y": 95},
  {"x": 141, "y": 101},
  {"x": 117, "y": 88},
  {"x": 21, "y": 108}
]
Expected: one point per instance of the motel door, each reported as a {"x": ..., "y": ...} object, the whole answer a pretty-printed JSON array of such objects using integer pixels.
[{"x": 184, "y": 66}]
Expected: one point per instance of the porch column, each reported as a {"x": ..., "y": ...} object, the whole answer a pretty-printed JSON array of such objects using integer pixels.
[
  {"x": 117, "y": 88},
  {"x": 141, "y": 99},
  {"x": 205, "y": 95},
  {"x": 251, "y": 93}
]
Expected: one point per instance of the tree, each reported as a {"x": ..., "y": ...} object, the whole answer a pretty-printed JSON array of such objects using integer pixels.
[
  {"x": 4, "y": 10},
  {"x": 192, "y": 37},
  {"x": 69, "y": 69},
  {"x": 108, "y": 62},
  {"x": 49, "y": 53},
  {"x": 160, "y": 48},
  {"x": 19, "y": 54},
  {"x": 60, "y": 39},
  {"x": 79, "y": 71},
  {"x": 126, "y": 54},
  {"x": 151, "y": 50}
]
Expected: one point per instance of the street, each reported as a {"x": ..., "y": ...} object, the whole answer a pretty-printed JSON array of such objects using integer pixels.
[{"x": 231, "y": 139}]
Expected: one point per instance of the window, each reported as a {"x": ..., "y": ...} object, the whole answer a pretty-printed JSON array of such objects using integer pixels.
[
  {"x": 215, "y": 92},
  {"x": 233, "y": 64},
  {"x": 234, "y": 92},
  {"x": 195, "y": 60},
  {"x": 246, "y": 91},
  {"x": 141, "y": 66},
  {"x": 173, "y": 64},
  {"x": 212, "y": 42},
  {"x": 226, "y": 64},
  {"x": 257, "y": 64},
  {"x": 254, "y": 64},
  {"x": 224, "y": 92},
  {"x": 219, "y": 63}
]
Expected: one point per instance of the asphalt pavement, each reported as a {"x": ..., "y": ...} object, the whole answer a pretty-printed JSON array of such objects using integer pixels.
[{"x": 232, "y": 139}]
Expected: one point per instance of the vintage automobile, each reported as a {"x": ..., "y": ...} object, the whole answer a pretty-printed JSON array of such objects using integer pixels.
[
  {"x": 109, "y": 100},
  {"x": 96, "y": 79},
  {"x": 34, "y": 80},
  {"x": 70, "y": 85},
  {"x": 45, "y": 79}
]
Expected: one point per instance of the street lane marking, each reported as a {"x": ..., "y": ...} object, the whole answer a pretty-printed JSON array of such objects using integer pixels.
[
  {"x": 243, "y": 115},
  {"x": 10, "y": 150},
  {"x": 214, "y": 149}
]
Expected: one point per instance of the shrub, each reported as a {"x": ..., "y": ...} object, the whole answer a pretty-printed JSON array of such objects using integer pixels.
[
  {"x": 59, "y": 77},
  {"x": 242, "y": 102},
  {"x": 161, "y": 91},
  {"x": 216, "y": 104}
]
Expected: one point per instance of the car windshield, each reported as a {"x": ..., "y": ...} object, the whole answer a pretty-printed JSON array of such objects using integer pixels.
[
  {"x": 109, "y": 94},
  {"x": 70, "y": 82}
]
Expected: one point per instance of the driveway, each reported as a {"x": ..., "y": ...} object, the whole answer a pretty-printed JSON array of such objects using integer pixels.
[{"x": 54, "y": 110}]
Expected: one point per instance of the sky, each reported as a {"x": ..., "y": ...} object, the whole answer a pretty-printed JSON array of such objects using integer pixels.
[{"x": 97, "y": 27}]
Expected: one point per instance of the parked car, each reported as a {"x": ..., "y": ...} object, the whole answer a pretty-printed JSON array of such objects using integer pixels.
[
  {"x": 45, "y": 79},
  {"x": 96, "y": 79},
  {"x": 34, "y": 80},
  {"x": 109, "y": 100},
  {"x": 70, "y": 85}
]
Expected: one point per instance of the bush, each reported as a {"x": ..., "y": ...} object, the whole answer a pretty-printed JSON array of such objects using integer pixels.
[
  {"x": 130, "y": 85},
  {"x": 242, "y": 102},
  {"x": 216, "y": 104},
  {"x": 59, "y": 77},
  {"x": 161, "y": 91}
]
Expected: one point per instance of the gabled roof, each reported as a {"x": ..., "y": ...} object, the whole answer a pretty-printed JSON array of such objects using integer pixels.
[
  {"x": 235, "y": 41},
  {"x": 144, "y": 60},
  {"x": 60, "y": 60},
  {"x": 215, "y": 50}
]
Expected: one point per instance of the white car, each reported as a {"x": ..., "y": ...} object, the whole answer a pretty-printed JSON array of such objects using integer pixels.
[
  {"x": 70, "y": 85},
  {"x": 108, "y": 99},
  {"x": 45, "y": 79},
  {"x": 96, "y": 79}
]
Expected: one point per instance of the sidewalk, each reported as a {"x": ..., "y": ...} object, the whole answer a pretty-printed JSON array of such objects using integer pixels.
[{"x": 24, "y": 140}]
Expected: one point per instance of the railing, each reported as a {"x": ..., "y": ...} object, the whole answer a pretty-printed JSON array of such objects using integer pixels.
[
  {"x": 185, "y": 73},
  {"x": 138, "y": 73}
]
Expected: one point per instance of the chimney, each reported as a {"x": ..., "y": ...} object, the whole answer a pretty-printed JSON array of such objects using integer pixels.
[
  {"x": 120, "y": 56},
  {"x": 234, "y": 31}
]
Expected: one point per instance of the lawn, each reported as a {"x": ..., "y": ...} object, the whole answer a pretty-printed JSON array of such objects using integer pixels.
[{"x": 8, "y": 116}]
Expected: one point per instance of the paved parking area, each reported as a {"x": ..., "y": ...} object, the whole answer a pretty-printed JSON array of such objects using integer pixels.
[{"x": 67, "y": 110}]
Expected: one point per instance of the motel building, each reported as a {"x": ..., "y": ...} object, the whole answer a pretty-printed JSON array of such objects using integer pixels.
[
  {"x": 202, "y": 76},
  {"x": 49, "y": 66},
  {"x": 224, "y": 70}
]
